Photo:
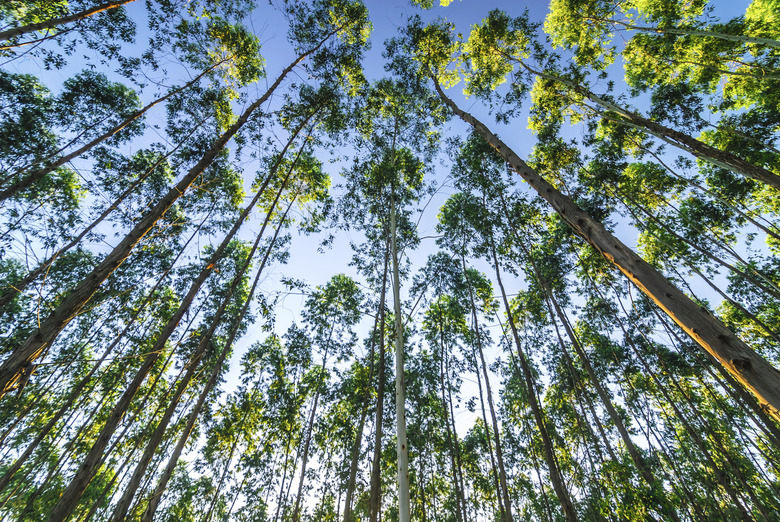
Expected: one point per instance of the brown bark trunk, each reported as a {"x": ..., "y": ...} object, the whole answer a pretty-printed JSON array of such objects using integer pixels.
[
  {"x": 353, "y": 466},
  {"x": 747, "y": 367},
  {"x": 499, "y": 453},
  {"x": 445, "y": 410},
  {"x": 549, "y": 453},
  {"x": 151, "y": 508},
  {"x": 54, "y": 22},
  {"x": 86, "y": 471},
  {"x": 375, "y": 498}
]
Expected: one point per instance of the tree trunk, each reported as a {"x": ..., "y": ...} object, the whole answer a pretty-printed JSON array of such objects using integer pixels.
[
  {"x": 555, "y": 477},
  {"x": 89, "y": 467},
  {"x": 168, "y": 472},
  {"x": 494, "y": 421},
  {"x": 353, "y": 466},
  {"x": 747, "y": 367},
  {"x": 54, "y": 22},
  {"x": 404, "y": 514},
  {"x": 693, "y": 32},
  {"x": 10, "y": 293},
  {"x": 37, "y": 174},
  {"x": 676, "y": 138},
  {"x": 375, "y": 497},
  {"x": 460, "y": 503}
]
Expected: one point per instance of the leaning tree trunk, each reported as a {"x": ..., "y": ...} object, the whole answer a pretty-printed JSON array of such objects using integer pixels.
[
  {"x": 15, "y": 366},
  {"x": 549, "y": 454},
  {"x": 120, "y": 511},
  {"x": 10, "y": 293},
  {"x": 353, "y": 466},
  {"x": 748, "y": 368},
  {"x": 676, "y": 138},
  {"x": 51, "y": 166},
  {"x": 507, "y": 515},
  {"x": 162, "y": 484},
  {"x": 89, "y": 467},
  {"x": 54, "y": 22},
  {"x": 679, "y": 31}
]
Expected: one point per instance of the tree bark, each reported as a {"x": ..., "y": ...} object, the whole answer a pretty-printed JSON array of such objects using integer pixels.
[
  {"x": 694, "y": 32},
  {"x": 162, "y": 484},
  {"x": 353, "y": 467},
  {"x": 54, "y": 22},
  {"x": 86, "y": 471},
  {"x": 747, "y": 367},
  {"x": 494, "y": 421},
  {"x": 10, "y": 293},
  {"x": 404, "y": 513},
  {"x": 375, "y": 497},
  {"x": 549, "y": 453}
]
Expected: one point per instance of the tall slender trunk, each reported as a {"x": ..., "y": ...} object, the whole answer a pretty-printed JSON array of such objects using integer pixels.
[
  {"x": 14, "y": 367},
  {"x": 443, "y": 383},
  {"x": 122, "y": 506},
  {"x": 458, "y": 475},
  {"x": 88, "y": 468},
  {"x": 76, "y": 391},
  {"x": 673, "y": 137},
  {"x": 353, "y": 466},
  {"x": 494, "y": 421},
  {"x": 51, "y": 166},
  {"x": 54, "y": 22},
  {"x": 404, "y": 513},
  {"x": 375, "y": 497},
  {"x": 296, "y": 515},
  {"x": 162, "y": 484},
  {"x": 549, "y": 454},
  {"x": 747, "y": 367}
]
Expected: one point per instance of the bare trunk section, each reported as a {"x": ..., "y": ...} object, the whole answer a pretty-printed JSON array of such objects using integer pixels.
[
  {"x": 676, "y": 138},
  {"x": 10, "y": 293},
  {"x": 694, "y": 32},
  {"x": 86, "y": 471},
  {"x": 404, "y": 513},
  {"x": 460, "y": 503},
  {"x": 549, "y": 453},
  {"x": 353, "y": 467},
  {"x": 162, "y": 485},
  {"x": 54, "y": 22},
  {"x": 507, "y": 515},
  {"x": 120, "y": 511},
  {"x": 747, "y": 367},
  {"x": 375, "y": 497}
]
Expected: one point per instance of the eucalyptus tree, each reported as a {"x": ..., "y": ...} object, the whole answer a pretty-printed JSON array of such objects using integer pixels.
[
  {"x": 434, "y": 47},
  {"x": 229, "y": 49},
  {"x": 347, "y": 20},
  {"x": 394, "y": 124},
  {"x": 501, "y": 43}
]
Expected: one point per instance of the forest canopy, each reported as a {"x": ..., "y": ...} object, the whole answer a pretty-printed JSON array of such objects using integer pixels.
[{"x": 336, "y": 260}]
